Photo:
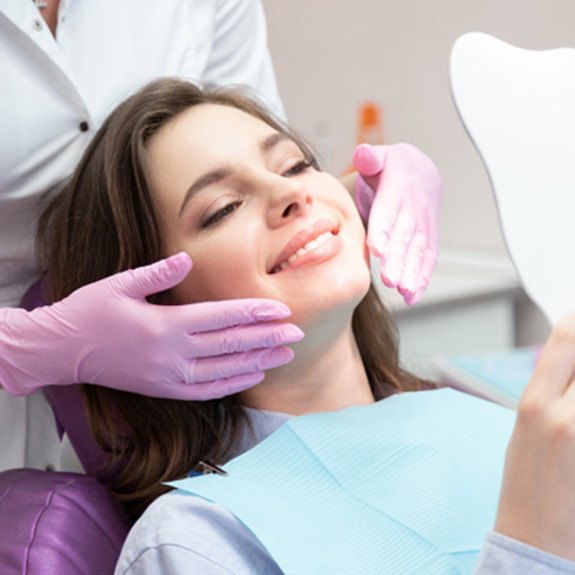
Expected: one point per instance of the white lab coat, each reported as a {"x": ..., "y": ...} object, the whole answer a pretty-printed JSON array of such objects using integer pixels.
[{"x": 55, "y": 93}]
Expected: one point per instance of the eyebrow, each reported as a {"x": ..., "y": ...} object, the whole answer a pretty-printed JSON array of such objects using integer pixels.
[{"x": 220, "y": 174}]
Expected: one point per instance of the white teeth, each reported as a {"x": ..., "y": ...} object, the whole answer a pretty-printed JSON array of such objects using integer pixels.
[{"x": 311, "y": 245}]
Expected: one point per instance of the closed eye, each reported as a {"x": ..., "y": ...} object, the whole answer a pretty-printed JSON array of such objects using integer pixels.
[
  {"x": 299, "y": 168},
  {"x": 220, "y": 214}
]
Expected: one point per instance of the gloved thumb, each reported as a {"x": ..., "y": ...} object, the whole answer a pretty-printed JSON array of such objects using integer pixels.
[
  {"x": 369, "y": 160},
  {"x": 154, "y": 278}
]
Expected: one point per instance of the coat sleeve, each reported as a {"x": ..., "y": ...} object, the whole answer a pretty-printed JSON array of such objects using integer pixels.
[{"x": 240, "y": 55}]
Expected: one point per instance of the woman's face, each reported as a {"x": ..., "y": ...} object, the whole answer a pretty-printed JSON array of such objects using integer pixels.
[{"x": 256, "y": 219}]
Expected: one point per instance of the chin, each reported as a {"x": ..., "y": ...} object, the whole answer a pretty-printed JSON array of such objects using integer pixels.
[{"x": 335, "y": 302}]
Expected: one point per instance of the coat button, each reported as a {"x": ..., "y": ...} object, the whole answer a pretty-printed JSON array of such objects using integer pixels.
[{"x": 84, "y": 126}]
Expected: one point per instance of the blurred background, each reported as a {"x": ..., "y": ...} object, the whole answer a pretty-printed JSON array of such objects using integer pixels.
[{"x": 331, "y": 57}]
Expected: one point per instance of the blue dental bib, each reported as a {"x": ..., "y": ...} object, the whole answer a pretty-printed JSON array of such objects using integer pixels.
[{"x": 408, "y": 485}]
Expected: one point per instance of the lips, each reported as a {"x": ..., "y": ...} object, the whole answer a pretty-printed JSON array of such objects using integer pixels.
[{"x": 303, "y": 243}]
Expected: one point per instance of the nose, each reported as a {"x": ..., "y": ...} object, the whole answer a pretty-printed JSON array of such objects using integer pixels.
[{"x": 288, "y": 199}]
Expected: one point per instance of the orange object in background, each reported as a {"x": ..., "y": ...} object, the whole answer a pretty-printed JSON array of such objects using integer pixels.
[{"x": 369, "y": 126}]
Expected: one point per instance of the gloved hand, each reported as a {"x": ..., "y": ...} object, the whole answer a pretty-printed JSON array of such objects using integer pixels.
[
  {"x": 401, "y": 213},
  {"x": 106, "y": 333}
]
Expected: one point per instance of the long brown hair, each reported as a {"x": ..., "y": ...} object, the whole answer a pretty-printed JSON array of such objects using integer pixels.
[{"x": 105, "y": 222}]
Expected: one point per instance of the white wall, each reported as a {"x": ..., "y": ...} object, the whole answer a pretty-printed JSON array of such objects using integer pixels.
[{"x": 331, "y": 55}]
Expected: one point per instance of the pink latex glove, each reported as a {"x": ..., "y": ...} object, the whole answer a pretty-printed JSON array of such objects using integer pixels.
[
  {"x": 106, "y": 333},
  {"x": 401, "y": 213}
]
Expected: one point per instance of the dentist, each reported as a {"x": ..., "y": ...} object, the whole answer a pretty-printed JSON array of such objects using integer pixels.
[{"x": 66, "y": 64}]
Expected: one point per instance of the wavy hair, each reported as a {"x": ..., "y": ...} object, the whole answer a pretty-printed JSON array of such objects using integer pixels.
[{"x": 105, "y": 222}]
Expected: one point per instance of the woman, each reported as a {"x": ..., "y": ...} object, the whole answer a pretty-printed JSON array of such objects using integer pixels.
[
  {"x": 212, "y": 174},
  {"x": 53, "y": 50}
]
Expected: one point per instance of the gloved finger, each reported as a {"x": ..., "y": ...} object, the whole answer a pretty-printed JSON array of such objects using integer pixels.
[
  {"x": 243, "y": 338},
  {"x": 414, "y": 257},
  {"x": 393, "y": 259},
  {"x": 364, "y": 196},
  {"x": 413, "y": 298},
  {"x": 154, "y": 278},
  {"x": 229, "y": 386},
  {"x": 211, "y": 316},
  {"x": 205, "y": 316},
  {"x": 225, "y": 366},
  {"x": 369, "y": 160},
  {"x": 204, "y": 391},
  {"x": 427, "y": 267},
  {"x": 383, "y": 217}
]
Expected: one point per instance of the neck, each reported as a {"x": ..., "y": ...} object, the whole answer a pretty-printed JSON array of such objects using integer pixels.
[
  {"x": 326, "y": 374},
  {"x": 49, "y": 11}
]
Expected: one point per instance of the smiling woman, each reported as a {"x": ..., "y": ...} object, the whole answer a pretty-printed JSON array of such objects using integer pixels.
[
  {"x": 176, "y": 168},
  {"x": 247, "y": 181}
]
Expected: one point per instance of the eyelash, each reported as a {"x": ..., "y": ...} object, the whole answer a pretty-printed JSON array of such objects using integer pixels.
[
  {"x": 221, "y": 214},
  {"x": 297, "y": 168}
]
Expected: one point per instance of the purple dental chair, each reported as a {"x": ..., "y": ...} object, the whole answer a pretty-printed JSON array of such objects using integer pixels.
[{"x": 56, "y": 523}]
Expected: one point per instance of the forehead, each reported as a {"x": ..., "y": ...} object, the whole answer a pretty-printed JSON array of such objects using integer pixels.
[
  {"x": 209, "y": 126},
  {"x": 202, "y": 139}
]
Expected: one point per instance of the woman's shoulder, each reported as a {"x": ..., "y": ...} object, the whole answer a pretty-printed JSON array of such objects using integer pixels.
[{"x": 180, "y": 532}]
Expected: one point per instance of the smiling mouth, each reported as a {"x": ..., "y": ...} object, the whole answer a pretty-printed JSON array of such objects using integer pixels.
[{"x": 305, "y": 249}]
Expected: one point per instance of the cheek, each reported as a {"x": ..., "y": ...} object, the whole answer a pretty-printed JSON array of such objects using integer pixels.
[
  {"x": 358, "y": 235},
  {"x": 222, "y": 265},
  {"x": 355, "y": 279},
  {"x": 336, "y": 196},
  {"x": 217, "y": 277}
]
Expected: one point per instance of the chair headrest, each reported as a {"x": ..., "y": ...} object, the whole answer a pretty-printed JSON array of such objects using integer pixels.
[{"x": 56, "y": 523}]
